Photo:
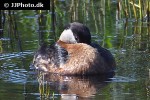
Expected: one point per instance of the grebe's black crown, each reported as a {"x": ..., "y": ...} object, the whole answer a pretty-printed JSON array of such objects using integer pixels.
[{"x": 81, "y": 32}]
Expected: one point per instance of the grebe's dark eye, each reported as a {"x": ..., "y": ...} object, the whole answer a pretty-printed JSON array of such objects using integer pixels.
[{"x": 76, "y": 37}]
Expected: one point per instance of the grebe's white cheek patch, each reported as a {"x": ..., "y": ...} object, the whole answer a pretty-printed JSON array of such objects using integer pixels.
[{"x": 67, "y": 36}]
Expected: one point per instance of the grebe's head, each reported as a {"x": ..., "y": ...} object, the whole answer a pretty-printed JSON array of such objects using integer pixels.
[{"x": 76, "y": 33}]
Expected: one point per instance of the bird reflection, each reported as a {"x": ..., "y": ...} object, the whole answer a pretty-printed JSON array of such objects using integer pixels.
[{"x": 71, "y": 87}]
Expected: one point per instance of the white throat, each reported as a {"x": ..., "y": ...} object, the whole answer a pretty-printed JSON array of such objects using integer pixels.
[{"x": 67, "y": 36}]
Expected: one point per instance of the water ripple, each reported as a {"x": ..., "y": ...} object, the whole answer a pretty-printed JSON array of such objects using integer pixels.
[
  {"x": 14, "y": 55},
  {"x": 14, "y": 76},
  {"x": 122, "y": 79}
]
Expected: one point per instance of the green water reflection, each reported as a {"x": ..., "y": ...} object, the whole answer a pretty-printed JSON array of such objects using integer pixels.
[{"x": 23, "y": 31}]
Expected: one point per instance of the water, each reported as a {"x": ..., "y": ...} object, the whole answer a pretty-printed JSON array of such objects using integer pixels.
[{"x": 127, "y": 40}]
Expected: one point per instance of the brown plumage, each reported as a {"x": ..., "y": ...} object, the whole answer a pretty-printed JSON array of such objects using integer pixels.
[{"x": 83, "y": 60}]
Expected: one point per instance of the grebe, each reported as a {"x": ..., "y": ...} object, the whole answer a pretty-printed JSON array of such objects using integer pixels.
[{"x": 74, "y": 54}]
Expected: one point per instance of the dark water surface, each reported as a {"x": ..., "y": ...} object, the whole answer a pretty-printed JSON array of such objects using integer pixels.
[{"x": 23, "y": 31}]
